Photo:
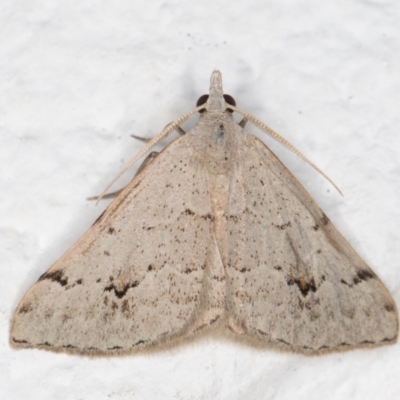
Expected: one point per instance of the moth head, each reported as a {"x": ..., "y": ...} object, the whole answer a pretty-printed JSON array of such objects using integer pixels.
[{"x": 204, "y": 98}]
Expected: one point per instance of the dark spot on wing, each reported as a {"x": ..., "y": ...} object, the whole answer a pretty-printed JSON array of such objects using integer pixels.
[
  {"x": 120, "y": 293},
  {"x": 324, "y": 219},
  {"x": 316, "y": 227},
  {"x": 283, "y": 226},
  {"x": 389, "y": 307},
  {"x": 189, "y": 270},
  {"x": 111, "y": 230},
  {"x": 356, "y": 281},
  {"x": 230, "y": 328},
  {"x": 106, "y": 253},
  {"x": 215, "y": 319},
  {"x": 283, "y": 341},
  {"x": 19, "y": 341},
  {"x": 25, "y": 308},
  {"x": 55, "y": 276},
  {"x": 207, "y": 216},
  {"x": 303, "y": 285},
  {"x": 92, "y": 348},
  {"x": 389, "y": 340},
  {"x": 139, "y": 342},
  {"x": 364, "y": 274},
  {"x": 218, "y": 278},
  {"x": 202, "y": 326},
  {"x": 233, "y": 218}
]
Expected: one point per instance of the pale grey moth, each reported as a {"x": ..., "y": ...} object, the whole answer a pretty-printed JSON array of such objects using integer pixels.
[{"x": 213, "y": 233}]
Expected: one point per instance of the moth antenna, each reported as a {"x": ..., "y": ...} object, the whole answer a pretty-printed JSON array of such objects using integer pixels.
[
  {"x": 266, "y": 129},
  {"x": 153, "y": 142}
]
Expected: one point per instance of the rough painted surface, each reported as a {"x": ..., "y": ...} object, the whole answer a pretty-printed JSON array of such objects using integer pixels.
[{"x": 324, "y": 76}]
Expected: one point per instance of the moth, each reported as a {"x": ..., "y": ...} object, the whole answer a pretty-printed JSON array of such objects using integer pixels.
[{"x": 213, "y": 233}]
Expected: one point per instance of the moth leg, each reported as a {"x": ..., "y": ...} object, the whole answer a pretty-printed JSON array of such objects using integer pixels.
[
  {"x": 107, "y": 196},
  {"x": 178, "y": 129},
  {"x": 142, "y": 139},
  {"x": 150, "y": 157},
  {"x": 144, "y": 164},
  {"x": 243, "y": 123}
]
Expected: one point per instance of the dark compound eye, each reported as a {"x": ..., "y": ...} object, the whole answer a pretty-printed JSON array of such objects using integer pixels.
[
  {"x": 202, "y": 100},
  {"x": 230, "y": 100}
]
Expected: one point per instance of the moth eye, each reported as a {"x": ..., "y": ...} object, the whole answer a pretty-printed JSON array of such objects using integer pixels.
[
  {"x": 230, "y": 100},
  {"x": 202, "y": 100}
]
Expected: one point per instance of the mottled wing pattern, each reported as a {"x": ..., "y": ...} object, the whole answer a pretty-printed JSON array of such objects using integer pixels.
[
  {"x": 293, "y": 280},
  {"x": 135, "y": 277}
]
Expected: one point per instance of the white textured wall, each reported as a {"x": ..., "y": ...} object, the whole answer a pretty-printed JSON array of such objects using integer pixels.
[{"x": 78, "y": 77}]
